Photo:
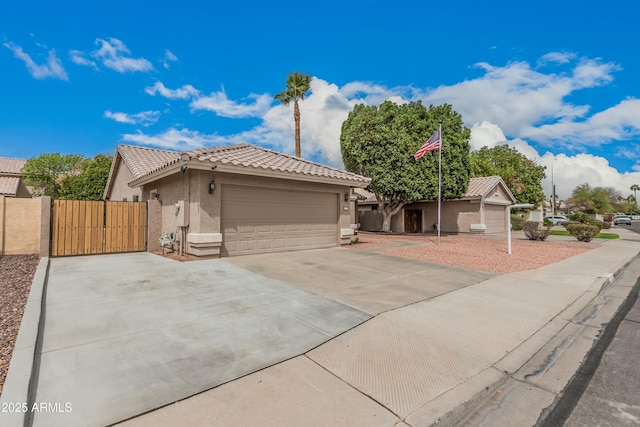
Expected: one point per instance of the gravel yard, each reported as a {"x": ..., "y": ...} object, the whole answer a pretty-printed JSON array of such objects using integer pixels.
[
  {"x": 479, "y": 252},
  {"x": 16, "y": 274}
]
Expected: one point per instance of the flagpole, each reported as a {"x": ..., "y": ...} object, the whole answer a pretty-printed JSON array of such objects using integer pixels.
[{"x": 439, "y": 177}]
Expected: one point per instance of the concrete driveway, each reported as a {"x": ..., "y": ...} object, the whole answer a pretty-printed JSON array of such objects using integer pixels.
[{"x": 125, "y": 334}]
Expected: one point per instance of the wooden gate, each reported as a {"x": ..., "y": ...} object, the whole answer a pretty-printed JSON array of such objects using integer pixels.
[{"x": 81, "y": 227}]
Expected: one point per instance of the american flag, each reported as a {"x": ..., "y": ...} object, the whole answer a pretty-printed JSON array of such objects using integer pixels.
[{"x": 432, "y": 144}]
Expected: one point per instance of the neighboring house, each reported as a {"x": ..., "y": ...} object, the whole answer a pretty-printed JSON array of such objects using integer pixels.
[
  {"x": 237, "y": 199},
  {"x": 482, "y": 209},
  {"x": 12, "y": 179}
]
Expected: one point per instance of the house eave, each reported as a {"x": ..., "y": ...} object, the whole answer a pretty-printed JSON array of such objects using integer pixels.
[{"x": 244, "y": 170}]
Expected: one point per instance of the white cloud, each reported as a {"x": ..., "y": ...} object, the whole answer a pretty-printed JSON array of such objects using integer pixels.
[
  {"x": 568, "y": 171},
  {"x": 177, "y": 139},
  {"x": 620, "y": 122},
  {"x": 79, "y": 57},
  {"x": 517, "y": 97},
  {"x": 219, "y": 103},
  {"x": 322, "y": 113},
  {"x": 114, "y": 55},
  {"x": 556, "y": 57},
  {"x": 144, "y": 118},
  {"x": 51, "y": 69},
  {"x": 184, "y": 92},
  {"x": 168, "y": 57}
]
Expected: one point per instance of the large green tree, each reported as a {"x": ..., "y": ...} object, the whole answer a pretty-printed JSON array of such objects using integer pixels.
[
  {"x": 46, "y": 172},
  {"x": 90, "y": 182},
  {"x": 591, "y": 199},
  {"x": 379, "y": 142},
  {"x": 522, "y": 175},
  {"x": 298, "y": 85}
]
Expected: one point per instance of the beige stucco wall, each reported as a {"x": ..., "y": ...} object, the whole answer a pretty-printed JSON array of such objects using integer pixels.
[
  {"x": 22, "y": 191},
  {"x": 202, "y": 210},
  {"x": 24, "y": 225},
  {"x": 456, "y": 216},
  {"x": 121, "y": 189}
]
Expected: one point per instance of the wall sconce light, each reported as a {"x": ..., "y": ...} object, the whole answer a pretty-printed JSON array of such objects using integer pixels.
[
  {"x": 346, "y": 196},
  {"x": 156, "y": 195},
  {"x": 212, "y": 187}
]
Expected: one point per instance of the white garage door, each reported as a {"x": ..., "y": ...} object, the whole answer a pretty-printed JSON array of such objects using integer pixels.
[
  {"x": 495, "y": 218},
  {"x": 256, "y": 220}
]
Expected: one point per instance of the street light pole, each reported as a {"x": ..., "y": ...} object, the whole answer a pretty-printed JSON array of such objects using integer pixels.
[{"x": 516, "y": 206}]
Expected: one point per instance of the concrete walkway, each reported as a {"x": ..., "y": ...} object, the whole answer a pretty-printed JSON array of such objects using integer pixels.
[
  {"x": 126, "y": 334},
  {"x": 506, "y": 345}
]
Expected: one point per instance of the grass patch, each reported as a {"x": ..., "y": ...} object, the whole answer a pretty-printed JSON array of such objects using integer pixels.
[{"x": 599, "y": 236}]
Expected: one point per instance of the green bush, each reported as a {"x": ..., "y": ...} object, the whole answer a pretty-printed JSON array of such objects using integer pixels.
[
  {"x": 516, "y": 222},
  {"x": 583, "y": 218},
  {"x": 533, "y": 231},
  {"x": 579, "y": 217},
  {"x": 582, "y": 232}
]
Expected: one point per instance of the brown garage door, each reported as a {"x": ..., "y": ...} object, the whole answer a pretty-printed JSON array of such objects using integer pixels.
[
  {"x": 256, "y": 220},
  {"x": 495, "y": 218}
]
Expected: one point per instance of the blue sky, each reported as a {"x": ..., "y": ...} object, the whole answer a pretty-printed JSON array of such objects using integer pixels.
[{"x": 557, "y": 80}]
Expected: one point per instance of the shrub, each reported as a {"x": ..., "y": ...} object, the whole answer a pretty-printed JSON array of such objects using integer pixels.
[
  {"x": 533, "y": 231},
  {"x": 604, "y": 225},
  {"x": 579, "y": 217},
  {"x": 516, "y": 222},
  {"x": 583, "y": 218},
  {"x": 582, "y": 232}
]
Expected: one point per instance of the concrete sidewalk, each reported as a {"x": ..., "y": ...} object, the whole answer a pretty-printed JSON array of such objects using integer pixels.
[{"x": 508, "y": 344}]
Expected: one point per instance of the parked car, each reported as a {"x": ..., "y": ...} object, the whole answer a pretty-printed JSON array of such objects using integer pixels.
[
  {"x": 622, "y": 219},
  {"x": 635, "y": 217},
  {"x": 556, "y": 220}
]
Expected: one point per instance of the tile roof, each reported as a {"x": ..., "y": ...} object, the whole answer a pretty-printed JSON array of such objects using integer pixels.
[
  {"x": 10, "y": 165},
  {"x": 482, "y": 186},
  {"x": 251, "y": 156},
  {"x": 142, "y": 160},
  {"x": 9, "y": 185},
  {"x": 248, "y": 155},
  {"x": 478, "y": 187}
]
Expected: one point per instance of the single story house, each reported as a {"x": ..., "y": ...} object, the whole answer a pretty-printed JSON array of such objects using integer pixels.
[
  {"x": 12, "y": 179},
  {"x": 236, "y": 199},
  {"x": 482, "y": 209}
]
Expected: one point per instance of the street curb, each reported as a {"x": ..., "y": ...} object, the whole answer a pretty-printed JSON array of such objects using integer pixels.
[
  {"x": 477, "y": 392},
  {"x": 18, "y": 391}
]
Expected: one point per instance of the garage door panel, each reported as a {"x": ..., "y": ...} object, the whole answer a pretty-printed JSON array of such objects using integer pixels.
[
  {"x": 494, "y": 218},
  {"x": 258, "y": 220}
]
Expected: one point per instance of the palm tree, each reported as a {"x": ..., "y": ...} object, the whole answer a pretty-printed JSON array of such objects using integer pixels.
[
  {"x": 634, "y": 188},
  {"x": 297, "y": 87}
]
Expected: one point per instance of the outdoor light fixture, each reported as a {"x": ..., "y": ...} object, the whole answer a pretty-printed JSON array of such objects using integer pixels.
[
  {"x": 156, "y": 195},
  {"x": 212, "y": 187},
  {"x": 346, "y": 196}
]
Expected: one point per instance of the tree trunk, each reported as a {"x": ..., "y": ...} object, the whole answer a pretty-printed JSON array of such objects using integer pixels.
[
  {"x": 387, "y": 213},
  {"x": 296, "y": 119}
]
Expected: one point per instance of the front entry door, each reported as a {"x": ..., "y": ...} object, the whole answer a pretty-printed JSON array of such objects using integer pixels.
[{"x": 413, "y": 221}]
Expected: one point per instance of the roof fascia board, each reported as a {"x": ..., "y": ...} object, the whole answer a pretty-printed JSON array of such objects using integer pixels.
[{"x": 244, "y": 170}]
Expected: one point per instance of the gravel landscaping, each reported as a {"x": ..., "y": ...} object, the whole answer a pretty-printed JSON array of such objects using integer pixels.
[
  {"x": 16, "y": 275},
  {"x": 478, "y": 252}
]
